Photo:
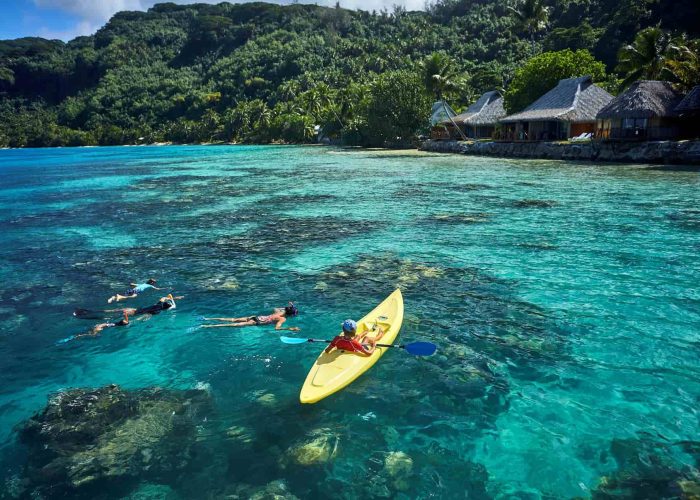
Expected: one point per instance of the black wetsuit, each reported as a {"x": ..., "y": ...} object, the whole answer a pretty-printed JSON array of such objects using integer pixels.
[{"x": 154, "y": 309}]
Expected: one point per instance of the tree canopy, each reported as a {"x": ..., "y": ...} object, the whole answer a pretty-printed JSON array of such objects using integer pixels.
[
  {"x": 258, "y": 72},
  {"x": 542, "y": 72}
]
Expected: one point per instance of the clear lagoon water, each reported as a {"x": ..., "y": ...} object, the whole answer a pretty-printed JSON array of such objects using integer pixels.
[{"x": 564, "y": 298}]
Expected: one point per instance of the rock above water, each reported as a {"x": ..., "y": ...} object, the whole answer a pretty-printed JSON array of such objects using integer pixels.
[{"x": 84, "y": 436}]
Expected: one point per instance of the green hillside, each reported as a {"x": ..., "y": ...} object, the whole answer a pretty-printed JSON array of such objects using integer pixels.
[{"x": 260, "y": 72}]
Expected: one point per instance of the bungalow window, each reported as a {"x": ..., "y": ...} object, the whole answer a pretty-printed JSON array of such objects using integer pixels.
[{"x": 634, "y": 123}]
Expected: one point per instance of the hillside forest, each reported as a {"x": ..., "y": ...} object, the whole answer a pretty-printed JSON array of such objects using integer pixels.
[{"x": 262, "y": 73}]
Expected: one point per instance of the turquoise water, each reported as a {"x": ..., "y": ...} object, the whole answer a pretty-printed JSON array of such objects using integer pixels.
[{"x": 563, "y": 297}]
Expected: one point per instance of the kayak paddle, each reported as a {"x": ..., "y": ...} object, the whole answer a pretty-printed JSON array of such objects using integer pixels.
[{"x": 415, "y": 348}]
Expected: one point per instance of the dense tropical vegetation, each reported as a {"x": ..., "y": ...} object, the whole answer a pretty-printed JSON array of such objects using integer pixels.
[{"x": 260, "y": 73}]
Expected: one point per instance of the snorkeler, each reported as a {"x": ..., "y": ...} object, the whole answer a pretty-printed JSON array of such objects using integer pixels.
[
  {"x": 278, "y": 317},
  {"x": 133, "y": 291},
  {"x": 95, "y": 330},
  {"x": 163, "y": 304},
  {"x": 351, "y": 342}
]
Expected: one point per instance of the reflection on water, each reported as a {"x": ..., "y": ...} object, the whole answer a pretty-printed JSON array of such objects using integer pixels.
[{"x": 563, "y": 298}]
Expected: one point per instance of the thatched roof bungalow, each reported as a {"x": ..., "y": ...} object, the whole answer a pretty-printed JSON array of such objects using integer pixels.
[
  {"x": 688, "y": 111},
  {"x": 645, "y": 111},
  {"x": 480, "y": 119},
  {"x": 568, "y": 110},
  {"x": 441, "y": 114}
]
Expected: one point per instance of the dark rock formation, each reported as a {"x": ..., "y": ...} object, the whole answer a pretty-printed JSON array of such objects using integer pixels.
[
  {"x": 86, "y": 436},
  {"x": 648, "y": 469}
]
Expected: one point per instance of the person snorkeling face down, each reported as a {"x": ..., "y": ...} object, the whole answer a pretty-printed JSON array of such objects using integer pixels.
[
  {"x": 97, "y": 329},
  {"x": 278, "y": 317},
  {"x": 350, "y": 341},
  {"x": 134, "y": 290}
]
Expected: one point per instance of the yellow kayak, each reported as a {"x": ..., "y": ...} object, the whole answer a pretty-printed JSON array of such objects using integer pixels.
[{"x": 335, "y": 370}]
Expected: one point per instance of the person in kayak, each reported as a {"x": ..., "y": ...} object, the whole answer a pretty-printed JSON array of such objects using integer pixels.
[
  {"x": 133, "y": 291},
  {"x": 278, "y": 317},
  {"x": 349, "y": 341},
  {"x": 95, "y": 330}
]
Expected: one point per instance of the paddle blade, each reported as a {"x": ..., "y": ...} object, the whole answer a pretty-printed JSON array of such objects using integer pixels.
[
  {"x": 420, "y": 348},
  {"x": 294, "y": 340}
]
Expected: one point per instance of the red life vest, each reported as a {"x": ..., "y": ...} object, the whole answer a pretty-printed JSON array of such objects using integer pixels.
[{"x": 345, "y": 344}]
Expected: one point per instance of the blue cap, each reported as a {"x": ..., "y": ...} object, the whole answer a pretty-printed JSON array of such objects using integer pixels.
[{"x": 349, "y": 326}]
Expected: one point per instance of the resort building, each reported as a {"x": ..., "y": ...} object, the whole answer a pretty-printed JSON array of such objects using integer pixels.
[
  {"x": 568, "y": 110},
  {"x": 480, "y": 119},
  {"x": 645, "y": 111},
  {"x": 688, "y": 111},
  {"x": 440, "y": 114}
]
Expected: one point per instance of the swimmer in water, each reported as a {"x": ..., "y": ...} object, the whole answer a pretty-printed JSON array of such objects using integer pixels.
[
  {"x": 133, "y": 291},
  {"x": 163, "y": 304},
  {"x": 97, "y": 329},
  {"x": 278, "y": 317}
]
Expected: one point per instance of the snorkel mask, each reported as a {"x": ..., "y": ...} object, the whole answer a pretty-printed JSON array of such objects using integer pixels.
[
  {"x": 171, "y": 302},
  {"x": 291, "y": 310}
]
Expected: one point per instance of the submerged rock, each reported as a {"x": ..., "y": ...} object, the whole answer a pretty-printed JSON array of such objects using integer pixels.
[
  {"x": 274, "y": 490},
  {"x": 268, "y": 400},
  {"x": 84, "y": 436},
  {"x": 648, "y": 469},
  {"x": 240, "y": 434},
  {"x": 399, "y": 466},
  {"x": 690, "y": 490},
  {"x": 322, "y": 448},
  {"x": 469, "y": 218},
  {"x": 151, "y": 491},
  {"x": 534, "y": 204}
]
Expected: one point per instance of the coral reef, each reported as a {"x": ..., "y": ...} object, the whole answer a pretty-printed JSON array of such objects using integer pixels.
[
  {"x": 399, "y": 466},
  {"x": 322, "y": 448},
  {"x": 650, "y": 469},
  {"x": 85, "y": 436}
]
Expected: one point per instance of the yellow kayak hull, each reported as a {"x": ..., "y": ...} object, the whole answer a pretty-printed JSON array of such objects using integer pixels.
[{"x": 336, "y": 370}]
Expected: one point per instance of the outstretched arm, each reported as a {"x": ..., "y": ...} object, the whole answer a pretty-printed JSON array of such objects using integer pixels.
[{"x": 279, "y": 324}]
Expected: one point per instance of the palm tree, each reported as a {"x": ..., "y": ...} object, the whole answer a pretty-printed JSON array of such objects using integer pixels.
[
  {"x": 684, "y": 62},
  {"x": 439, "y": 77},
  {"x": 438, "y": 74},
  {"x": 288, "y": 90},
  {"x": 532, "y": 16},
  {"x": 646, "y": 58}
]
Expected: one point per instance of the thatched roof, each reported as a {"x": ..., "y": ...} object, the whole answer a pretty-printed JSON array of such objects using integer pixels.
[
  {"x": 572, "y": 100},
  {"x": 690, "y": 103},
  {"x": 644, "y": 99},
  {"x": 487, "y": 110}
]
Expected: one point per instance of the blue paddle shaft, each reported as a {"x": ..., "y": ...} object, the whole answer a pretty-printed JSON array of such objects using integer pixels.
[{"x": 415, "y": 348}]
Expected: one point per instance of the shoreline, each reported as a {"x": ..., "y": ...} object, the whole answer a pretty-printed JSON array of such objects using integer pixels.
[
  {"x": 649, "y": 152},
  {"x": 414, "y": 150}
]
